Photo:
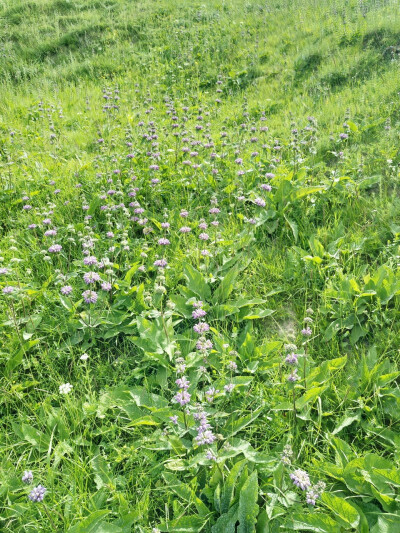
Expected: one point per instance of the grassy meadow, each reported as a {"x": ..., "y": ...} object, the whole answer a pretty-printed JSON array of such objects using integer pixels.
[{"x": 199, "y": 266}]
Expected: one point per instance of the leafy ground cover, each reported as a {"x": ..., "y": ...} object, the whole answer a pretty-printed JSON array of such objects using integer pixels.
[{"x": 199, "y": 266}]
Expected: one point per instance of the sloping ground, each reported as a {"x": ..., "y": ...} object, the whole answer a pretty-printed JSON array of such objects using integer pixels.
[{"x": 266, "y": 135}]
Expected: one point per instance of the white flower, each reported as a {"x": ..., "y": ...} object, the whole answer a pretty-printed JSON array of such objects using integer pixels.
[
  {"x": 84, "y": 357},
  {"x": 65, "y": 388}
]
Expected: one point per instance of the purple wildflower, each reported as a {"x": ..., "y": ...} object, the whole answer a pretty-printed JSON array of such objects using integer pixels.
[
  {"x": 201, "y": 327},
  {"x": 160, "y": 263},
  {"x": 90, "y": 297},
  {"x": 8, "y": 289},
  {"x": 182, "y": 397},
  {"x": 55, "y": 248},
  {"x": 106, "y": 286},
  {"x": 67, "y": 289},
  {"x": 301, "y": 479},
  {"x": 37, "y": 494},
  {"x": 27, "y": 476},
  {"x": 91, "y": 277}
]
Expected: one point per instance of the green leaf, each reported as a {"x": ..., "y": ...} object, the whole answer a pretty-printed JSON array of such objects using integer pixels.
[
  {"x": 306, "y": 191},
  {"x": 13, "y": 363},
  {"x": 185, "y": 524},
  {"x": 196, "y": 282},
  {"x": 309, "y": 397},
  {"x": 89, "y": 524},
  {"x": 226, "y": 523},
  {"x": 342, "y": 509},
  {"x": 258, "y": 313},
  {"x": 186, "y": 493},
  {"x": 131, "y": 272},
  {"x": 234, "y": 424},
  {"x": 226, "y": 286},
  {"x": 248, "y": 507},
  {"x": 293, "y": 226},
  {"x": 346, "y": 421},
  {"x": 318, "y": 522},
  {"x": 229, "y": 485}
]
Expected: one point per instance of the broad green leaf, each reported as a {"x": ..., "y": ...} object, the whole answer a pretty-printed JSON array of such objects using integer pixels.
[
  {"x": 258, "y": 313},
  {"x": 342, "y": 509},
  {"x": 309, "y": 397},
  {"x": 185, "y": 524},
  {"x": 234, "y": 424},
  {"x": 185, "y": 492},
  {"x": 131, "y": 272},
  {"x": 229, "y": 485},
  {"x": 293, "y": 226},
  {"x": 89, "y": 524},
  {"x": 318, "y": 522},
  {"x": 226, "y": 523},
  {"x": 226, "y": 285},
  {"x": 196, "y": 282},
  {"x": 306, "y": 191},
  {"x": 248, "y": 507},
  {"x": 13, "y": 363},
  {"x": 346, "y": 421}
]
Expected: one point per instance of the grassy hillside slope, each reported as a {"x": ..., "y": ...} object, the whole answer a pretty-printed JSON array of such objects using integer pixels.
[{"x": 226, "y": 162}]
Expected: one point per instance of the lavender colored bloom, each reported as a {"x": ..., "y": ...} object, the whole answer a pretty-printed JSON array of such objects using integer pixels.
[
  {"x": 204, "y": 236},
  {"x": 37, "y": 494},
  {"x": 210, "y": 455},
  {"x": 106, "y": 286},
  {"x": 32, "y": 226},
  {"x": 232, "y": 366},
  {"x": 198, "y": 313},
  {"x": 205, "y": 437},
  {"x": 266, "y": 187},
  {"x": 90, "y": 297},
  {"x": 301, "y": 479},
  {"x": 163, "y": 241},
  {"x": 174, "y": 419},
  {"x": 343, "y": 136},
  {"x": 160, "y": 263},
  {"x": 229, "y": 388},
  {"x": 185, "y": 229},
  {"x": 27, "y": 476},
  {"x": 90, "y": 260},
  {"x": 50, "y": 233},
  {"x": 183, "y": 383},
  {"x": 8, "y": 289},
  {"x": 293, "y": 376},
  {"x": 203, "y": 345},
  {"x": 260, "y": 202},
  {"x": 91, "y": 277},
  {"x": 184, "y": 213},
  {"x": 46, "y": 221},
  {"x": 205, "y": 253},
  {"x": 165, "y": 225},
  {"x": 67, "y": 289},
  {"x": 306, "y": 331},
  {"x": 55, "y": 248},
  {"x": 214, "y": 211},
  {"x": 182, "y": 397},
  {"x": 291, "y": 359},
  {"x": 211, "y": 393},
  {"x": 27, "y": 207},
  {"x": 315, "y": 492},
  {"x": 3, "y": 271},
  {"x": 201, "y": 327}
]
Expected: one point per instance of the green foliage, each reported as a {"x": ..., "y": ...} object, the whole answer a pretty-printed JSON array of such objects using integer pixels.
[{"x": 298, "y": 150}]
